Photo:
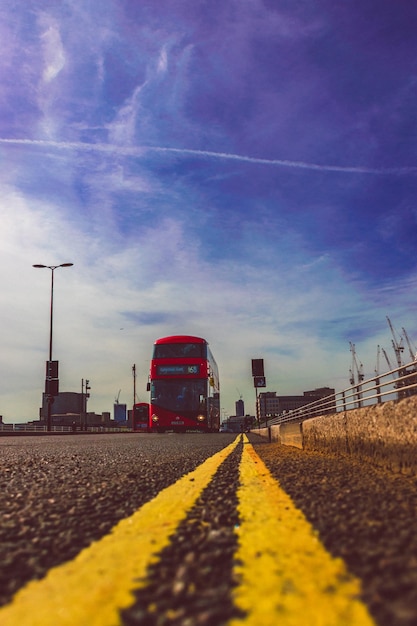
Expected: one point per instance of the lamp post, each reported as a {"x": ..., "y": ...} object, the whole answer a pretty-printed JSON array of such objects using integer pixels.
[{"x": 49, "y": 392}]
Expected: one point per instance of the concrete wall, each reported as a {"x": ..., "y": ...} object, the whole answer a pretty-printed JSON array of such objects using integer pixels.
[
  {"x": 287, "y": 434},
  {"x": 384, "y": 434}
]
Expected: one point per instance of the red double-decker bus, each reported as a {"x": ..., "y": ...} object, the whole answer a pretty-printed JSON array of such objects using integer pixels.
[
  {"x": 141, "y": 417},
  {"x": 184, "y": 386}
]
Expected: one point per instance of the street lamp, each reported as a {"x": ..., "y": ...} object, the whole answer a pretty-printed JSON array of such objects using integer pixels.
[{"x": 51, "y": 372}]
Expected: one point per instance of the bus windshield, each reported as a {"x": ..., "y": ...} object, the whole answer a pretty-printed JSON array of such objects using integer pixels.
[
  {"x": 179, "y": 395},
  {"x": 180, "y": 350}
]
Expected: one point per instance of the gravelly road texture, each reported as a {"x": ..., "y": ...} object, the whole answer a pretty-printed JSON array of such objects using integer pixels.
[
  {"x": 58, "y": 494},
  {"x": 363, "y": 514},
  {"x": 190, "y": 585}
]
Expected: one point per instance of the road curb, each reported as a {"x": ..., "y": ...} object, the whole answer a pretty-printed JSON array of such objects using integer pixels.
[{"x": 384, "y": 434}]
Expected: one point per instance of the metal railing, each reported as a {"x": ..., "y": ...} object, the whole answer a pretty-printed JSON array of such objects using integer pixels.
[
  {"x": 396, "y": 384},
  {"x": 17, "y": 428},
  {"x": 41, "y": 428}
]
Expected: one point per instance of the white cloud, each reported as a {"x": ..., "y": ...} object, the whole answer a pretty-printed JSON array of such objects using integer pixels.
[
  {"x": 53, "y": 50},
  {"x": 163, "y": 61},
  {"x": 273, "y": 300},
  {"x": 116, "y": 300},
  {"x": 122, "y": 129}
]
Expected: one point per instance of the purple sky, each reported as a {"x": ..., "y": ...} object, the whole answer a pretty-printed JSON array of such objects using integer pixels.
[{"x": 244, "y": 171}]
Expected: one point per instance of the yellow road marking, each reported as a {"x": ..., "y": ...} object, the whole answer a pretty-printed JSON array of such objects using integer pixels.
[
  {"x": 286, "y": 575},
  {"x": 91, "y": 589}
]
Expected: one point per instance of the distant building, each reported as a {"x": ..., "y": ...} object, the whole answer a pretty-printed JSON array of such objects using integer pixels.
[
  {"x": 239, "y": 423},
  {"x": 120, "y": 414},
  {"x": 82, "y": 421},
  {"x": 240, "y": 408},
  {"x": 70, "y": 408},
  {"x": 64, "y": 402},
  {"x": 269, "y": 404}
]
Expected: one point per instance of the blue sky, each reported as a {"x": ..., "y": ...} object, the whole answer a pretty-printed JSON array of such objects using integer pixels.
[{"x": 242, "y": 171}]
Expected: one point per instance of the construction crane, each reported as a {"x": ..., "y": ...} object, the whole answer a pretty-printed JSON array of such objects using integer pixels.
[
  {"x": 240, "y": 395},
  {"x": 116, "y": 400},
  {"x": 356, "y": 368},
  {"x": 387, "y": 359},
  {"x": 396, "y": 343},
  {"x": 378, "y": 354},
  {"x": 411, "y": 349}
]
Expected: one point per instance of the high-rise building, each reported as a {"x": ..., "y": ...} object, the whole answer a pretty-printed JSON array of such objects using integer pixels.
[
  {"x": 120, "y": 414},
  {"x": 240, "y": 408}
]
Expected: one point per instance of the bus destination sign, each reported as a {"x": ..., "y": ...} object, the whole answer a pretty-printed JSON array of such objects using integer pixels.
[{"x": 177, "y": 370}]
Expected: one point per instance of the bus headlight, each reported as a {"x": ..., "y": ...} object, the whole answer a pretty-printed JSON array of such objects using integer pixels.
[
  {"x": 201, "y": 418},
  {"x": 155, "y": 418}
]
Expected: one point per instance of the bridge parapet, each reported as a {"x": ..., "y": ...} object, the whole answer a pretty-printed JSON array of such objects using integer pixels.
[{"x": 383, "y": 434}]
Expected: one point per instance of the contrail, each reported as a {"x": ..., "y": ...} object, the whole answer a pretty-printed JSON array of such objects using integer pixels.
[
  {"x": 285, "y": 163},
  {"x": 141, "y": 150}
]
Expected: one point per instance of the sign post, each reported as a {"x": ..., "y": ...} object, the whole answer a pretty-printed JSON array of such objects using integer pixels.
[{"x": 259, "y": 380}]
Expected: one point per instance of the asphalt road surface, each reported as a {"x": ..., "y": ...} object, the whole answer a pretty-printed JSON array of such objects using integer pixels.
[{"x": 200, "y": 529}]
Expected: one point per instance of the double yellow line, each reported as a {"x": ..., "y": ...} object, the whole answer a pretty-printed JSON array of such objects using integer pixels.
[{"x": 285, "y": 574}]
